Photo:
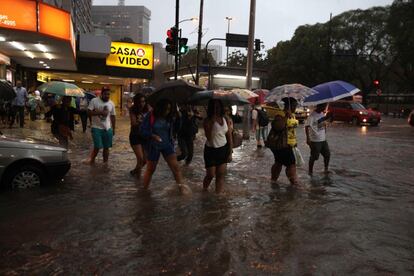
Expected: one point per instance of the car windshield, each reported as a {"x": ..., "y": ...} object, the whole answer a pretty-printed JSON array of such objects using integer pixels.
[{"x": 357, "y": 106}]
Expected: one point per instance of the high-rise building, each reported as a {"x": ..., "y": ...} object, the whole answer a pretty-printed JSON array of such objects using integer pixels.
[
  {"x": 121, "y": 22},
  {"x": 216, "y": 51},
  {"x": 80, "y": 11}
]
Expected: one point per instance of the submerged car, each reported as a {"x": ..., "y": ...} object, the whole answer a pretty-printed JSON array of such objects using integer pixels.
[
  {"x": 26, "y": 163},
  {"x": 354, "y": 112}
]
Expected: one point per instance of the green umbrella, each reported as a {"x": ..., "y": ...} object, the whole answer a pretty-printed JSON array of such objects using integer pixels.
[{"x": 61, "y": 88}]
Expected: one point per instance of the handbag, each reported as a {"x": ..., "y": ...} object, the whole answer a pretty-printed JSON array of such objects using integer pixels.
[
  {"x": 277, "y": 140},
  {"x": 237, "y": 139},
  {"x": 298, "y": 157}
]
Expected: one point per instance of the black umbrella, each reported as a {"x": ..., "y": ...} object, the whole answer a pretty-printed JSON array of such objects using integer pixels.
[
  {"x": 178, "y": 91},
  {"x": 6, "y": 90},
  {"x": 227, "y": 97},
  {"x": 90, "y": 95}
]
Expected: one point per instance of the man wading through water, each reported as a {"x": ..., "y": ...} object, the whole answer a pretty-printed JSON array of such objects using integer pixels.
[{"x": 102, "y": 111}]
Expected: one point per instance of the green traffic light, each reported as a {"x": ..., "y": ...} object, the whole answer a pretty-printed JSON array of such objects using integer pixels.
[{"x": 183, "y": 50}]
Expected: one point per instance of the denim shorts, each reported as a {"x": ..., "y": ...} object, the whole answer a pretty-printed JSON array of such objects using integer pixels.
[{"x": 153, "y": 150}]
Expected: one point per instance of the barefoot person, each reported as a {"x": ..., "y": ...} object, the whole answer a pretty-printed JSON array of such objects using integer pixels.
[
  {"x": 315, "y": 128},
  {"x": 281, "y": 140},
  {"x": 136, "y": 115},
  {"x": 102, "y": 111},
  {"x": 157, "y": 128},
  {"x": 219, "y": 145}
]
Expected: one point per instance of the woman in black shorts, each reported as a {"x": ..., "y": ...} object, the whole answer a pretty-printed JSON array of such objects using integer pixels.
[
  {"x": 219, "y": 144},
  {"x": 136, "y": 115}
]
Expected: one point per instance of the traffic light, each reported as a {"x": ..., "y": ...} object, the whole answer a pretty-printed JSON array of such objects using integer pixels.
[
  {"x": 172, "y": 39},
  {"x": 183, "y": 49},
  {"x": 376, "y": 83},
  {"x": 257, "y": 43}
]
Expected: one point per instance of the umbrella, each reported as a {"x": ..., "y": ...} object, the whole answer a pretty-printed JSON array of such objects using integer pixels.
[
  {"x": 178, "y": 91},
  {"x": 61, "y": 88},
  {"x": 295, "y": 90},
  {"x": 227, "y": 97},
  {"x": 261, "y": 93},
  {"x": 330, "y": 92},
  {"x": 90, "y": 95},
  {"x": 244, "y": 93},
  {"x": 6, "y": 90}
]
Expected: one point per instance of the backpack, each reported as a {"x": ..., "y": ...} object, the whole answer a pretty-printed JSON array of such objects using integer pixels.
[{"x": 262, "y": 117}]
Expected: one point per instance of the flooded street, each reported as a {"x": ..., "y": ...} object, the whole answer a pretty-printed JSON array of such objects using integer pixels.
[{"x": 357, "y": 220}]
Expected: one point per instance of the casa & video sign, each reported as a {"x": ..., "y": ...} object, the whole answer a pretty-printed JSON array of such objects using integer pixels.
[{"x": 131, "y": 55}]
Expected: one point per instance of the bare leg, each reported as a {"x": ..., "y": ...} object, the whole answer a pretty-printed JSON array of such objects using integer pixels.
[
  {"x": 291, "y": 175},
  {"x": 151, "y": 166},
  {"x": 210, "y": 174},
  {"x": 105, "y": 155},
  {"x": 139, "y": 154},
  {"x": 276, "y": 169},
  {"x": 173, "y": 164},
  {"x": 220, "y": 173},
  {"x": 93, "y": 155}
]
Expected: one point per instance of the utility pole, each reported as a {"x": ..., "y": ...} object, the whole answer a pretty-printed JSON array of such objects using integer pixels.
[
  {"x": 177, "y": 22},
  {"x": 200, "y": 34},
  {"x": 228, "y": 18},
  {"x": 249, "y": 71}
]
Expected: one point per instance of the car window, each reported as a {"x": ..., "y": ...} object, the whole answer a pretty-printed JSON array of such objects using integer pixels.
[{"x": 357, "y": 106}]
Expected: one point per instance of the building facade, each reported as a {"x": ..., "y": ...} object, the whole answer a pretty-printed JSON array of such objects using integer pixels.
[
  {"x": 80, "y": 11},
  {"x": 121, "y": 22},
  {"x": 216, "y": 51}
]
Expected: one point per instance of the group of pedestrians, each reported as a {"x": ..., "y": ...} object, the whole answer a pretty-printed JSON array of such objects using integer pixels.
[
  {"x": 282, "y": 141},
  {"x": 154, "y": 131}
]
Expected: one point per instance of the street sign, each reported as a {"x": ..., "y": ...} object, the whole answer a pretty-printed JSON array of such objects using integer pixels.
[{"x": 237, "y": 40}]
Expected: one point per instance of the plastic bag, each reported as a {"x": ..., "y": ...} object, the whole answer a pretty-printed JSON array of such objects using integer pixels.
[{"x": 298, "y": 157}]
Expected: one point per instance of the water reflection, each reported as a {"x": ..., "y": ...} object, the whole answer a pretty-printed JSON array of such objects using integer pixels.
[{"x": 355, "y": 220}]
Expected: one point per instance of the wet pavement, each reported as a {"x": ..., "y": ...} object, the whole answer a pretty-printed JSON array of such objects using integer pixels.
[{"x": 357, "y": 220}]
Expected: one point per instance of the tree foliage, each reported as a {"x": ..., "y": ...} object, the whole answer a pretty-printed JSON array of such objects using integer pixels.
[
  {"x": 191, "y": 58},
  {"x": 356, "y": 46}
]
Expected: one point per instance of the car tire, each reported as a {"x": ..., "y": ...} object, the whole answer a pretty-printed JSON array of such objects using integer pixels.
[
  {"x": 374, "y": 124},
  {"x": 355, "y": 121},
  {"x": 26, "y": 176}
]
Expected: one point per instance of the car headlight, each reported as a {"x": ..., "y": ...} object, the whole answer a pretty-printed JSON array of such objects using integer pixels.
[{"x": 363, "y": 113}]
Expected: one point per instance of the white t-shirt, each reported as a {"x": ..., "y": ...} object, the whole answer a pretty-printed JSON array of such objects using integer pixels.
[
  {"x": 317, "y": 131},
  {"x": 101, "y": 122}
]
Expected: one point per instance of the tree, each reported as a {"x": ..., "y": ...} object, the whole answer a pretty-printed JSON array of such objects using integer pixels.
[
  {"x": 191, "y": 58},
  {"x": 239, "y": 59},
  {"x": 400, "y": 26}
]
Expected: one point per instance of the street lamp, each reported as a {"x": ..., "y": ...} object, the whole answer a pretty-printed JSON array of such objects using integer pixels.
[
  {"x": 189, "y": 19},
  {"x": 228, "y": 18}
]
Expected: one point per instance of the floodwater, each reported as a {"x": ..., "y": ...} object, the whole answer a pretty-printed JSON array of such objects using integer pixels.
[{"x": 357, "y": 220}]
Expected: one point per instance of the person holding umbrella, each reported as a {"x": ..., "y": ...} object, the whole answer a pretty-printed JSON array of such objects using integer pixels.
[
  {"x": 315, "y": 128},
  {"x": 63, "y": 121},
  {"x": 282, "y": 140},
  {"x": 158, "y": 128}
]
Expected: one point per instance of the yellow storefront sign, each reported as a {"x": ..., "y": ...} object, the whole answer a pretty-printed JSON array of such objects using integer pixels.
[{"x": 131, "y": 55}]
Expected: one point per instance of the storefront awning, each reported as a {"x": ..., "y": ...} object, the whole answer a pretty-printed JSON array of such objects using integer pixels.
[{"x": 37, "y": 35}]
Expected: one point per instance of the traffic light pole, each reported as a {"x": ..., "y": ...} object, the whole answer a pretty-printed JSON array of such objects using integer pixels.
[{"x": 177, "y": 22}]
